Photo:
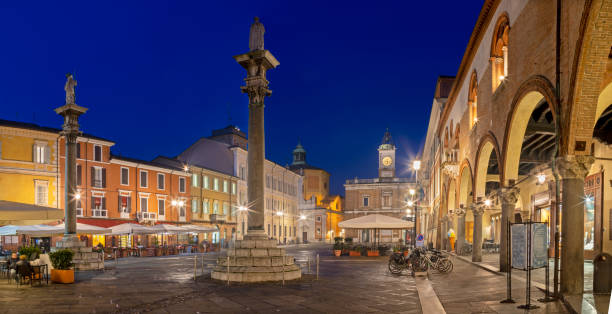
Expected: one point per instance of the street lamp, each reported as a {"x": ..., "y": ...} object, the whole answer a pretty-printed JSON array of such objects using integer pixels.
[
  {"x": 541, "y": 178},
  {"x": 487, "y": 202}
]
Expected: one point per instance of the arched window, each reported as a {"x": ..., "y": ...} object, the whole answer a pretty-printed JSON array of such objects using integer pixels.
[
  {"x": 473, "y": 100},
  {"x": 499, "y": 51}
]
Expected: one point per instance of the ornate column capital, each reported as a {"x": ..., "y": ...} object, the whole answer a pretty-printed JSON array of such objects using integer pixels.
[
  {"x": 574, "y": 166},
  {"x": 510, "y": 195},
  {"x": 477, "y": 209},
  {"x": 459, "y": 212}
]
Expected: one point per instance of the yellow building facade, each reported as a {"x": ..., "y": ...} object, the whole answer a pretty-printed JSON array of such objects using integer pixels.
[{"x": 28, "y": 164}]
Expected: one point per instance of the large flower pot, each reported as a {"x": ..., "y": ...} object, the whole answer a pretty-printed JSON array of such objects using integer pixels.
[
  {"x": 337, "y": 252},
  {"x": 62, "y": 276},
  {"x": 354, "y": 253},
  {"x": 373, "y": 253},
  {"x": 406, "y": 253}
]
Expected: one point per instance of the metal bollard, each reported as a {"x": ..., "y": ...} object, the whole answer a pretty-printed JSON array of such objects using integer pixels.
[
  {"x": 283, "y": 272},
  {"x": 116, "y": 262},
  {"x": 317, "y": 266},
  {"x": 228, "y": 270},
  {"x": 309, "y": 264},
  {"x": 195, "y": 266},
  {"x": 202, "y": 264}
]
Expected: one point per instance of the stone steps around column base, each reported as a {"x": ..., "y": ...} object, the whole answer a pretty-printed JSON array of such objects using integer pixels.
[
  {"x": 256, "y": 269},
  {"x": 256, "y": 276},
  {"x": 256, "y": 252},
  {"x": 257, "y": 261}
]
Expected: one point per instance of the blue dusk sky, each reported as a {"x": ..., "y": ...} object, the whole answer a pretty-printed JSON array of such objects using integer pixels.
[{"x": 158, "y": 75}]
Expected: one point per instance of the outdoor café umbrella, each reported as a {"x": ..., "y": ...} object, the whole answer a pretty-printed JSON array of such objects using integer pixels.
[
  {"x": 84, "y": 229},
  {"x": 27, "y": 230},
  {"x": 129, "y": 228},
  {"x": 376, "y": 222},
  {"x": 166, "y": 228},
  {"x": 199, "y": 229}
]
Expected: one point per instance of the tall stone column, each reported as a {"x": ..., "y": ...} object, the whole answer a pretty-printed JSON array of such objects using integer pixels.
[
  {"x": 256, "y": 62},
  {"x": 509, "y": 197},
  {"x": 573, "y": 170},
  {"x": 460, "y": 213},
  {"x": 70, "y": 130},
  {"x": 477, "y": 211}
]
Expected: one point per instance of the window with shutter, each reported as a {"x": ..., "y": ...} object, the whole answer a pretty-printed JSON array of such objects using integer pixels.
[
  {"x": 125, "y": 176},
  {"x": 182, "y": 185},
  {"x": 103, "y": 177},
  {"x": 143, "y": 179},
  {"x": 78, "y": 149},
  {"x": 161, "y": 181},
  {"x": 161, "y": 207},
  {"x": 97, "y": 153},
  {"x": 144, "y": 205},
  {"x": 79, "y": 173},
  {"x": 194, "y": 205},
  {"x": 93, "y": 175}
]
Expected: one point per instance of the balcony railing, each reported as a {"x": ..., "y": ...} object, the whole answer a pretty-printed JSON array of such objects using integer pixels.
[
  {"x": 146, "y": 216},
  {"x": 97, "y": 183},
  {"x": 99, "y": 212},
  {"x": 79, "y": 212}
]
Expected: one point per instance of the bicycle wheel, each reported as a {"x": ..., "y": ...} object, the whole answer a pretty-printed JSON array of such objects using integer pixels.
[
  {"x": 395, "y": 268},
  {"x": 420, "y": 265},
  {"x": 445, "y": 265}
]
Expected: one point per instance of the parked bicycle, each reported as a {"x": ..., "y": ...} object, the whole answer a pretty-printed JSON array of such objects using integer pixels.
[
  {"x": 398, "y": 262},
  {"x": 437, "y": 261}
]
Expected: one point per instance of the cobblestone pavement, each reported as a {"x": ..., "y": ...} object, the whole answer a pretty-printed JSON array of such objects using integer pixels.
[
  {"x": 166, "y": 285},
  {"x": 470, "y": 289},
  {"x": 346, "y": 285}
]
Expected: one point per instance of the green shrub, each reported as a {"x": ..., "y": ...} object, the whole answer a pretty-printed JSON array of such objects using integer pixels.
[
  {"x": 61, "y": 259},
  {"x": 338, "y": 246},
  {"x": 338, "y": 239},
  {"x": 28, "y": 250},
  {"x": 348, "y": 241}
]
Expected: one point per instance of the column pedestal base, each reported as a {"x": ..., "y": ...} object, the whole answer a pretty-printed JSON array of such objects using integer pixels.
[
  {"x": 84, "y": 257},
  {"x": 256, "y": 259}
]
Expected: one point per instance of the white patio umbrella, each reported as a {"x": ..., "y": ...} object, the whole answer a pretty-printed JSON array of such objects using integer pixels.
[
  {"x": 199, "y": 229},
  {"x": 166, "y": 228},
  {"x": 27, "y": 230},
  {"x": 84, "y": 229},
  {"x": 129, "y": 228},
  {"x": 376, "y": 222}
]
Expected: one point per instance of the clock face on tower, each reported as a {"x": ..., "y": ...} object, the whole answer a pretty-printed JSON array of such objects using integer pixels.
[{"x": 387, "y": 161}]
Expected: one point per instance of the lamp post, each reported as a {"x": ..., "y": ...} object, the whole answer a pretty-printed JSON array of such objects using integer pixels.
[{"x": 416, "y": 165}]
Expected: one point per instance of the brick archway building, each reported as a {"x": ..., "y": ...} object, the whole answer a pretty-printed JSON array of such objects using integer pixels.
[{"x": 530, "y": 103}]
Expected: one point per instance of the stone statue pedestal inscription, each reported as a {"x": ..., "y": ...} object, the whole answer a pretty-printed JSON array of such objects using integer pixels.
[{"x": 256, "y": 259}]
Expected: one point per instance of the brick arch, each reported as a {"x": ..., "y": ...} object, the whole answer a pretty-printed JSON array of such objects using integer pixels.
[
  {"x": 502, "y": 21},
  {"x": 587, "y": 74},
  {"x": 527, "y": 96},
  {"x": 469, "y": 185},
  {"x": 488, "y": 143}
]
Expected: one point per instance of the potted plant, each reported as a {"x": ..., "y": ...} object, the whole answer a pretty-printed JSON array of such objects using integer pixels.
[
  {"x": 373, "y": 252},
  {"x": 355, "y": 251},
  {"x": 30, "y": 252},
  {"x": 337, "y": 248},
  {"x": 405, "y": 250},
  {"x": 62, "y": 271}
]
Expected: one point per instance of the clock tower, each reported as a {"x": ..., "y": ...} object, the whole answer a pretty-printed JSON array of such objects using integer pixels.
[{"x": 386, "y": 157}]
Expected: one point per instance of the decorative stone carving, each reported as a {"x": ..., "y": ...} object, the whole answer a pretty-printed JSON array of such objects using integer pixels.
[
  {"x": 477, "y": 210},
  {"x": 71, "y": 83},
  {"x": 459, "y": 212},
  {"x": 510, "y": 195},
  {"x": 574, "y": 166},
  {"x": 256, "y": 36},
  {"x": 256, "y": 94}
]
